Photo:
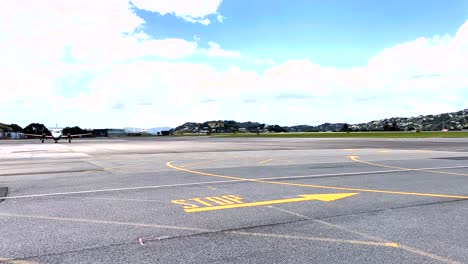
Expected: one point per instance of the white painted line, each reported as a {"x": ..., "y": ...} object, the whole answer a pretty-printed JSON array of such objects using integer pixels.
[
  {"x": 124, "y": 199},
  {"x": 105, "y": 222},
  {"x": 225, "y": 181},
  {"x": 116, "y": 189}
]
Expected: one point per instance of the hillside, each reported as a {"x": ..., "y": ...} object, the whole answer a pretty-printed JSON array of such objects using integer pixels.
[
  {"x": 152, "y": 131},
  {"x": 451, "y": 121},
  {"x": 220, "y": 126}
]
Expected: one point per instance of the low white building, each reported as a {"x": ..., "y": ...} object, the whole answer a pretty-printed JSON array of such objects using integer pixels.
[{"x": 12, "y": 135}]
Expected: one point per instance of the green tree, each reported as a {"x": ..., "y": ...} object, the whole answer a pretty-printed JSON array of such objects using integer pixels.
[
  {"x": 345, "y": 128},
  {"x": 276, "y": 128},
  {"x": 16, "y": 128},
  {"x": 5, "y": 128},
  {"x": 386, "y": 127},
  {"x": 395, "y": 126},
  {"x": 74, "y": 130},
  {"x": 36, "y": 128}
]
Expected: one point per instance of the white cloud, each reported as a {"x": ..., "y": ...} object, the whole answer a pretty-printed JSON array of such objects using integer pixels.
[
  {"x": 92, "y": 32},
  {"x": 204, "y": 21},
  {"x": 194, "y": 11},
  {"x": 37, "y": 32},
  {"x": 49, "y": 45},
  {"x": 215, "y": 50},
  {"x": 258, "y": 61},
  {"x": 435, "y": 81},
  {"x": 168, "y": 48}
]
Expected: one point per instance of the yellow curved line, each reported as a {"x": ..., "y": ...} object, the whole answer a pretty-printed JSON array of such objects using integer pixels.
[
  {"x": 356, "y": 159},
  {"x": 201, "y": 162},
  {"x": 386, "y": 244},
  {"x": 214, "y": 160},
  {"x": 169, "y": 164}
]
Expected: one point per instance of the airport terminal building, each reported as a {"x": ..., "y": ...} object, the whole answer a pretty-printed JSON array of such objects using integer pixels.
[{"x": 109, "y": 132}]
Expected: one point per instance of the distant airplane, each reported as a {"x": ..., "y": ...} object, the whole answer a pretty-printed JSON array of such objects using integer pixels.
[{"x": 57, "y": 134}]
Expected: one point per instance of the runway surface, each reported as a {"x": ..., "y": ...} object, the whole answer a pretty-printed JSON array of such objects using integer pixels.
[{"x": 234, "y": 200}]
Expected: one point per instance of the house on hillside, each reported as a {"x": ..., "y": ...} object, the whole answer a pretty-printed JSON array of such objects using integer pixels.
[{"x": 215, "y": 124}]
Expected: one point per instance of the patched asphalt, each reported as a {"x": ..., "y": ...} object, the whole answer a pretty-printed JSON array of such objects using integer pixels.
[
  {"x": 125, "y": 200},
  {"x": 3, "y": 193}
]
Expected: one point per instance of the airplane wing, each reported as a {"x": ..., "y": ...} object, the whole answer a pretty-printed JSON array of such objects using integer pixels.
[
  {"x": 76, "y": 135},
  {"x": 39, "y": 136}
]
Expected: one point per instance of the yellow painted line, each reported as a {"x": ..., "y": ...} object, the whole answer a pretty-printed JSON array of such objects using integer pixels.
[
  {"x": 16, "y": 261},
  {"x": 319, "y": 239},
  {"x": 268, "y": 160},
  {"x": 356, "y": 159},
  {"x": 339, "y": 227},
  {"x": 424, "y": 150},
  {"x": 401, "y": 246},
  {"x": 370, "y": 237},
  {"x": 201, "y": 162},
  {"x": 305, "y": 197},
  {"x": 370, "y": 190},
  {"x": 429, "y": 255},
  {"x": 208, "y": 161},
  {"x": 169, "y": 164},
  {"x": 384, "y": 151}
]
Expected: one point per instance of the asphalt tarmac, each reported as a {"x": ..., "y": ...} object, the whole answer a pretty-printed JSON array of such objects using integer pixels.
[{"x": 234, "y": 200}]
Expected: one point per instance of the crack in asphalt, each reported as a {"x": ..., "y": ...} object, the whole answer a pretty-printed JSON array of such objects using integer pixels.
[
  {"x": 234, "y": 230},
  {"x": 3, "y": 193}
]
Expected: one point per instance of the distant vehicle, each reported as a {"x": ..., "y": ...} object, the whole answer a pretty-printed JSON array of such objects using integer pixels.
[{"x": 56, "y": 135}]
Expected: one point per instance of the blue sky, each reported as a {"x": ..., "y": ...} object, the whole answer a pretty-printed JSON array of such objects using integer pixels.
[
  {"x": 330, "y": 33},
  {"x": 147, "y": 63}
]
